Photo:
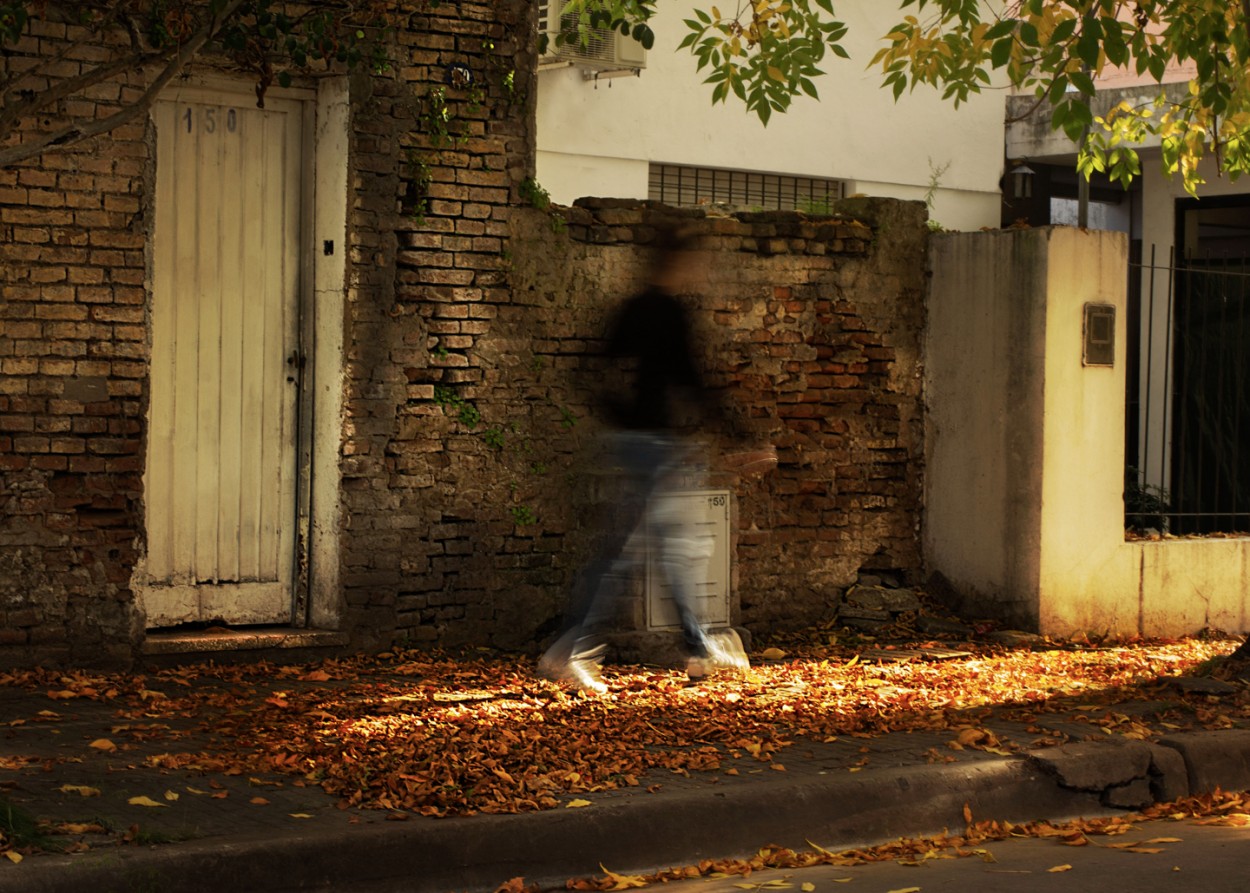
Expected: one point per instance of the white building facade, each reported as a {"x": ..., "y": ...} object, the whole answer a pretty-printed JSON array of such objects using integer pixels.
[{"x": 634, "y": 124}]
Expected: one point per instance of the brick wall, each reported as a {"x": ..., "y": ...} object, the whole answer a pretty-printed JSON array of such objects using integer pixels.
[
  {"x": 812, "y": 328},
  {"x": 427, "y": 278},
  {"x": 72, "y": 380}
]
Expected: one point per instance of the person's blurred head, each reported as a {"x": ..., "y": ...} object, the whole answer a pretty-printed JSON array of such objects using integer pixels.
[{"x": 672, "y": 257}]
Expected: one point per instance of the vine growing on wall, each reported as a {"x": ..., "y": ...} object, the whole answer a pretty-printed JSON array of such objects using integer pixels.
[
  {"x": 442, "y": 116},
  {"x": 521, "y": 442}
]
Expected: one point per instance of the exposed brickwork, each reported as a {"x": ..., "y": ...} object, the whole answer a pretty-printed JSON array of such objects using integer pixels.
[
  {"x": 72, "y": 380},
  {"x": 813, "y": 327},
  {"x": 433, "y": 194}
]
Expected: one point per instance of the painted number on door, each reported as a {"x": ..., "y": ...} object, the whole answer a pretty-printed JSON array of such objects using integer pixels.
[{"x": 209, "y": 119}]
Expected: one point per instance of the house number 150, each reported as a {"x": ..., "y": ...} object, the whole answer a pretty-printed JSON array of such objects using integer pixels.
[{"x": 212, "y": 119}]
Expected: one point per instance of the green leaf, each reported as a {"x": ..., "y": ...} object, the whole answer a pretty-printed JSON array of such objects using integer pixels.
[
  {"x": 1083, "y": 82},
  {"x": 1063, "y": 31},
  {"x": 1088, "y": 48},
  {"x": 1001, "y": 28},
  {"x": 1000, "y": 53}
]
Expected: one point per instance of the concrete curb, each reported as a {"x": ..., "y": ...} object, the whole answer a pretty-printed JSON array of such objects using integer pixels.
[{"x": 640, "y": 833}]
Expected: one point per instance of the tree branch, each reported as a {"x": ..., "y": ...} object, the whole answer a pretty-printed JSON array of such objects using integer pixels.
[
  {"x": 63, "y": 89},
  {"x": 10, "y": 84},
  {"x": 78, "y": 131}
]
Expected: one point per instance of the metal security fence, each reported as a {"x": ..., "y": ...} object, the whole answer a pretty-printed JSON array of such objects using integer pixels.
[{"x": 1187, "y": 444}]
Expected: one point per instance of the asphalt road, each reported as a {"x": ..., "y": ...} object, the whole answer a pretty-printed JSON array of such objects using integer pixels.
[{"x": 1205, "y": 858}]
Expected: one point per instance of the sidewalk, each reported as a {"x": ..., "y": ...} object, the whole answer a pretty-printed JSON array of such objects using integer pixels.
[{"x": 215, "y": 829}]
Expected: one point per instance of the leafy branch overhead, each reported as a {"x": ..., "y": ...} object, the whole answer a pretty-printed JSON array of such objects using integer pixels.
[
  {"x": 766, "y": 52},
  {"x": 1057, "y": 50}
]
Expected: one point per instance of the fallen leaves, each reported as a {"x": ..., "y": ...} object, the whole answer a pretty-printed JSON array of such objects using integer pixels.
[
  {"x": 146, "y": 801},
  {"x": 80, "y": 789},
  {"x": 427, "y": 735}
]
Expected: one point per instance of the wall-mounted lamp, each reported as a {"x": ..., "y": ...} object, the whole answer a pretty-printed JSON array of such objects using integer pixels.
[{"x": 1022, "y": 181}]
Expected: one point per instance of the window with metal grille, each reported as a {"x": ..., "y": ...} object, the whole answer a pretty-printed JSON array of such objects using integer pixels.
[{"x": 679, "y": 184}]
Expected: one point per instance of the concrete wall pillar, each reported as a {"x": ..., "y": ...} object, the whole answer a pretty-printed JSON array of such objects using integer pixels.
[{"x": 1024, "y": 445}]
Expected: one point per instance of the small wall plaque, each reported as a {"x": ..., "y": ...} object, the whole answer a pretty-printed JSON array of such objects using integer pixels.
[{"x": 1099, "y": 349}]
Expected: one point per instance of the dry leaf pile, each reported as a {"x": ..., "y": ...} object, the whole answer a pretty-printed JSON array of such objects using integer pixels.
[{"x": 412, "y": 732}]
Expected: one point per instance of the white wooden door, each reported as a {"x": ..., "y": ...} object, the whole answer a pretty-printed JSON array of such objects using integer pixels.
[{"x": 220, "y": 481}]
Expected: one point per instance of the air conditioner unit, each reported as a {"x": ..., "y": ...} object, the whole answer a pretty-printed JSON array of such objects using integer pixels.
[{"x": 607, "y": 50}]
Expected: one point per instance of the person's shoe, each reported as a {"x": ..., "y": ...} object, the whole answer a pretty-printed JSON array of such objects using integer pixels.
[
  {"x": 698, "y": 668},
  {"x": 583, "y": 672},
  {"x": 726, "y": 652},
  {"x": 580, "y": 671}
]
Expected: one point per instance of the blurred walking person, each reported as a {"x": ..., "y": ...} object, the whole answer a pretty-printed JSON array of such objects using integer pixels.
[{"x": 653, "y": 417}]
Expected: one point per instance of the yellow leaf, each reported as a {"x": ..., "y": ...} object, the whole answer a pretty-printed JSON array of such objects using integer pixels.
[
  {"x": 623, "y": 881},
  {"x": 81, "y": 789},
  {"x": 79, "y": 828},
  {"x": 300, "y": 815},
  {"x": 191, "y": 790},
  {"x": 970, "y": 736},
  {"x": 145, "y": 801},
  {"x": 1148, "y": 850},
  {"x": 13, "y": 857},
  {"x": 1059, "y": 868},
  {"x": 103, "y": 744},
  {"x": 171, "y": 795},
  {"x": 808, "y": 888},
  {"x": 772, "y": 654},
  {"x": 576, "y": 804},
  {"x": 906, "y": 890},
  {"x": 1154, "y": 840}
]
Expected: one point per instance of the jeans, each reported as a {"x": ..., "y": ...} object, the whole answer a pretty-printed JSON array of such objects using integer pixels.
[{"x": 648, "y": 518}]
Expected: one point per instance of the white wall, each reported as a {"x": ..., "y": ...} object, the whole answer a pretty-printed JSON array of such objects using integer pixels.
[{"x": 594, "y": 137}]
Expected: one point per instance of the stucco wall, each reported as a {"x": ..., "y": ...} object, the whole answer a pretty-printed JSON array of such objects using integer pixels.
[
  {"x": 1024, "y": 485},
  {"x": 984, "y": 349}
]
